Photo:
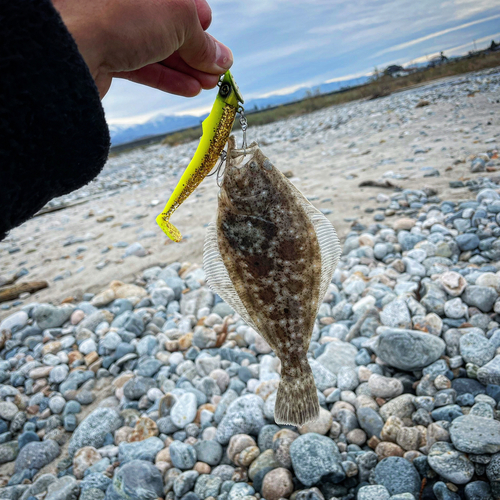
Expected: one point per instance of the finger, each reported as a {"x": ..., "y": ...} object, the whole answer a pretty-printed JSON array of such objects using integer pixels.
[
  {"x": 175, "y": 62},
  {"x": 203, "y": 52},
  {"x": 165, "y": 79},
  {"x": 204, "y": 13}
]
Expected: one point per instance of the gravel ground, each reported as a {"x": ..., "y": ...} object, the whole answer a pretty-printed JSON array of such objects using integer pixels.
[{"x": 152, "y": 387}]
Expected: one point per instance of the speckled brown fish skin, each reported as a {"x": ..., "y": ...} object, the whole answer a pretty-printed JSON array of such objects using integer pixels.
[{"x": 272, "y": 255}]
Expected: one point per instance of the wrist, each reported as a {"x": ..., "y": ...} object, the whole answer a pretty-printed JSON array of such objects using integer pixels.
[{"x": 86, "y": 35}]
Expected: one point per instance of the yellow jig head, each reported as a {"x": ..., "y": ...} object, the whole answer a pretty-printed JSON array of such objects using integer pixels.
[{"x": 216, "y": 129}]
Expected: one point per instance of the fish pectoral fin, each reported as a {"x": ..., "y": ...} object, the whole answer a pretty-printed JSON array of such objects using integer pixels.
[
  {"x": 297, "y": 400},
  {"x": 218, "y": 278}
]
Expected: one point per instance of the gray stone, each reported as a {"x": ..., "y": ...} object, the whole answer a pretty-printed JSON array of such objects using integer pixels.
[
  {"x": 57, "y": 404},
  {"x": 36, "y": 455},
  {"x": 482, "y": 297},
  {"x": 92, "y": 431},
  {"x": 185, "y": 482},
  {"x": 48, "y": 316},
  {"x": 244, "y": 416},
  {"x": 136, "y": 480},
  {"x": 475, "y": 348},
  {"x": 493, "y": 468},
  {"x": 162, "y": 296},
  {"x": 135, "y": 249},
  {"x": 455, "y": 308},
  {"x": 396, "y": 314},
  {"x": 65, "y": 488},
  {"x": 467, "y": 241},
  {"x": 450, "y": 464},
  {"x": 8, "y": 410},
  {"x": 14, "y": 322},
  {"x": 323, "y": 378},
  {"x": 95, "y": 480},
  {"x": 140, "y": 450},
  {"x": 337, "y": 355},
  {"x": 398, "y": 475},
  {"x": 490, "y": 372},
  {"x": 209, "y": 451},
  {"x": 478, "y": 490},
  {"x": 8, "y": 451},
  {"x": 384, "y": 387},
  {"x": 473, "y": 434},
  {"x": 184, "y": 410},
  {"x": 347, "y": 379},
  {"x": 373, "y": 492},
  {"x": 401, "y": 407},
  {"x": 240, "y": 491},
  {"x": 314, "y": 457},
  {"x": 207, "y": 486},
  {"x": 407, "y": 349},
  {"x": 58, "y": 374},
  {"x": 370, "y": 421},
  {"x": 183, "y": 455},
  {"x": 137, "y": 387}
]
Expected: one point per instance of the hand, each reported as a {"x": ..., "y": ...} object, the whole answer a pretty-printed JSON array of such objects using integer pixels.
[{"x": 159, "y": 43}]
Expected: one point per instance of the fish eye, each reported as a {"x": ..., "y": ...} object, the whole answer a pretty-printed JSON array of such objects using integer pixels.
[
  {"x": 225, "y": 90},
  {"x": 267, "y": 164}
]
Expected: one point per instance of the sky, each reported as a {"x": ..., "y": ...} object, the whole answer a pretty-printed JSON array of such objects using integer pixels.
[{"x": 282, "y": 45}]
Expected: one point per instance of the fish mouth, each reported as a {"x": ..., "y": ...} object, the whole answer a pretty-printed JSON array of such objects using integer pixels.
[{"x": 237, "y": 155}]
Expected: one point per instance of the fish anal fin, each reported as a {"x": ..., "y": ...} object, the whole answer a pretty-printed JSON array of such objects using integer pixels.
[{"x": 217, "y": 276}]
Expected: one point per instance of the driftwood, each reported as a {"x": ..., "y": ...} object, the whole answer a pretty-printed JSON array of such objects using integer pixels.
[
  {"x": 385, "y": 184},
  {"x": 13, "y": 292}
]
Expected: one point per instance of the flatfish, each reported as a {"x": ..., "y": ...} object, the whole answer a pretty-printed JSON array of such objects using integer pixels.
[{"x": 271, "y": 256}]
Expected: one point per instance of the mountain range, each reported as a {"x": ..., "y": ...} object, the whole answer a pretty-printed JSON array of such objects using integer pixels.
[{"x": 163, "y": 124}]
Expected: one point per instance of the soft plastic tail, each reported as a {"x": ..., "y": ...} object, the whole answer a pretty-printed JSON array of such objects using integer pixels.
[
  {"x": 168, "y": 228},
  {"x": 297, "y": 401}
]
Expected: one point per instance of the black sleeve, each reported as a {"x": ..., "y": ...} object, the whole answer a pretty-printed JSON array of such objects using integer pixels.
[{"x": 53, "y": 134}]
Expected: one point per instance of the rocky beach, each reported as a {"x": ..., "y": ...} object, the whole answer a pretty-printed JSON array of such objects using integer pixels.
[{"x": 126, "y": 378}]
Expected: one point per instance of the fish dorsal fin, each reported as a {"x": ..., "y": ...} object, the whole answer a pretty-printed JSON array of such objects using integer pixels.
[
  {"x": 217, "y": 276},
  {"x": 328, "y": 240}
]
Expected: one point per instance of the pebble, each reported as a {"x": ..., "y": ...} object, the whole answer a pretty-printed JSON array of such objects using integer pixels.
[
  {"x": 183, "y": 455},
  {"x": 244, "y": 415},
  {"x": 92, "y": 430},
  {"x": 375, "y": 492},
  {"x": 136, "y": 479},
  {"x": 408, "y": 349},
  {"x": 36, "y": 455},
  {"x": 450, "y": 463},
  {"x": 473, "y": 434},
  {"x": 314, "y": 456},
  {"x": 277, "y": 484},
  {"x": 384, "y": 387},
  {"x": 398, "y": 475},
  {"x": 184, "y": 410}
]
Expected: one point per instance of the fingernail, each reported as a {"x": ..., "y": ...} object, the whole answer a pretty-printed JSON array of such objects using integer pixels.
[{"x": 223, "y": 56}]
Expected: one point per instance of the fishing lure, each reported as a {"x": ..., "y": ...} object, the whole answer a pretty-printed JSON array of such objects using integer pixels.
[{"x": 216, "y": 130}]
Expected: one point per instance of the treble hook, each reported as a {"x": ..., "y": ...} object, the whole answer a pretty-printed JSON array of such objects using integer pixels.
[{"x": 217, "y": 170}]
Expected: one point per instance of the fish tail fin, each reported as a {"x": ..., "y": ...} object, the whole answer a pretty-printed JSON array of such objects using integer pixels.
[{"x": 297, "y": 401}]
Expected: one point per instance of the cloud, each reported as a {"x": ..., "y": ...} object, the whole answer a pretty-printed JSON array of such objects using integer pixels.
[{"x": 416, "y": 41}]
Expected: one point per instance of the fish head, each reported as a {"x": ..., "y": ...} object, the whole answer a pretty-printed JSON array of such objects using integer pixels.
[{"x": 247, "y": 187}]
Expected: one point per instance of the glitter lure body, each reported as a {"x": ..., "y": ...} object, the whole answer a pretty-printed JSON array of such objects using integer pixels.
[
  {"x": 216, "y": 129},
  {"x": 271, "y": 256}
]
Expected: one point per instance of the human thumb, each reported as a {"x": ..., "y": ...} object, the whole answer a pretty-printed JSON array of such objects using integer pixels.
[{"x": 204, "y": 53}]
